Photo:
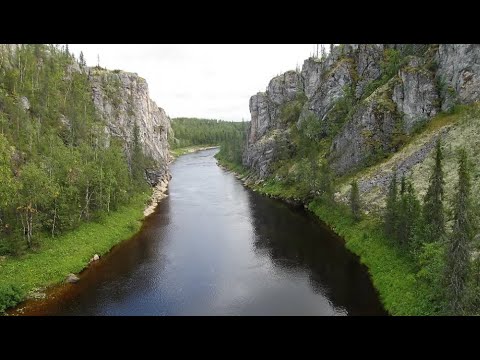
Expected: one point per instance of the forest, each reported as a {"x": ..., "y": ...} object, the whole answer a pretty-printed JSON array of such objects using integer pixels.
[
  {"x": 230, "y": 136},
  {"x": 56, "y": 169}
]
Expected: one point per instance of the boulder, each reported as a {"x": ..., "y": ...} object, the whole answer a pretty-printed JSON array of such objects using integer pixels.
[{"x": 72, "y": 278}]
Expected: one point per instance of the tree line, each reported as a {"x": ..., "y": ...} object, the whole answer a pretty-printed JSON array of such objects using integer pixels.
[
  {"x": 57, "y": 166},
  {"x": 446, "y": 260},
  {"x": 229, "y": 135}
]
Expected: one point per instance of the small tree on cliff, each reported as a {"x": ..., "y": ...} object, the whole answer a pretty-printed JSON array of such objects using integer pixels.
[
  {"x": 433, "y": 215},
  {"x": 355, "y": 201},
  {"x": 458, "y": 246},
  {"x": 326, "y": 183},
  {"x": 408, "y": 208},
  {"x": 390, "y": 220}
]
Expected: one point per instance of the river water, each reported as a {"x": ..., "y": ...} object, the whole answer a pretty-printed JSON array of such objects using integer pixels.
[{"x": 214, "y": 247}]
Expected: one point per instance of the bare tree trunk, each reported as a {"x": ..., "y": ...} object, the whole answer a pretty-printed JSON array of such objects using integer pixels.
[{"x": 54, "y": 219}]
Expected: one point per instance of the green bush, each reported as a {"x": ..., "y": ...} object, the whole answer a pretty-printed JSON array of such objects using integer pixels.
[{"x": 9, "y": 296}]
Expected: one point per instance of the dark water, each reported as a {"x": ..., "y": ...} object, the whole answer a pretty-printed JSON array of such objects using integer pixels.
[{"x": 216, "y": 248}]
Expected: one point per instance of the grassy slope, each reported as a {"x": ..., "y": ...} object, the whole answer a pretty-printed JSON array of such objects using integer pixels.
[{"x": 71, "y": 252}]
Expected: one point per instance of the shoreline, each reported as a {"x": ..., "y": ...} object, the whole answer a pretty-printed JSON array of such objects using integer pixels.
[
  {"x": 44, "y": 289},
  {"x": 398, "y": 297}
]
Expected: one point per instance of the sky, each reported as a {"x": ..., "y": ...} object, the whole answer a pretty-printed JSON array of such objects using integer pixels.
[{"x": 204, "y": 81}]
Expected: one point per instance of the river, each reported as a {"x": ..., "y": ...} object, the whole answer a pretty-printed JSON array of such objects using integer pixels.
[{"x": 213, "y": 247}]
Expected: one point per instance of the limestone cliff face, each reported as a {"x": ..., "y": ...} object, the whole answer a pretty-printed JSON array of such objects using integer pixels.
[
  {"x": 122, "y": 100},
  {"x": 385, "y": 105}
]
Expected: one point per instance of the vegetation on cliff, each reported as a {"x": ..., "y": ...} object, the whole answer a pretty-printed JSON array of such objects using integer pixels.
[
  {"x": 357, "y": 133},
  {"x": 59, "y": 169}
]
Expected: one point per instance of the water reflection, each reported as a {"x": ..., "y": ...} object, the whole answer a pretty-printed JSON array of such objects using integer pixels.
[{"x": 215, "y": 248}]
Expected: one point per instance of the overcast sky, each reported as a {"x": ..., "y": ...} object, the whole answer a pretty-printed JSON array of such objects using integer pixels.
[{"x": 206, "y": 81}]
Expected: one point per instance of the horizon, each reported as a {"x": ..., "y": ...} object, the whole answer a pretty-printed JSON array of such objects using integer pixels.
[{"x": 183, "y": 79}]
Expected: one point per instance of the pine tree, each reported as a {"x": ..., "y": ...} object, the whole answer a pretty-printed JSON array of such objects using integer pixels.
[
  {"x": 82, "y": 60},
  {"x": 433, "y": 215},
  {"x": 408, "y": 213},
  {"x": 390, "y": 220},
  {"x": 458, "y": 247},
  {"x": 326, "y": 184},
  {"x": 355, "y": 201}
]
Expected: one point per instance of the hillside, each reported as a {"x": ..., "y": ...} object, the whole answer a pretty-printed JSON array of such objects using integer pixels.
[
  {"x": 77, "y": 145},
  {"x": 364, "y": 113}
]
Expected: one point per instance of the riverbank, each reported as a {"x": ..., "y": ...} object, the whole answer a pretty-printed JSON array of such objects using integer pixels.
[
  {"x": 28, "y": 276},
  {"x": 190, "y": 149},
  {"x": 391, "y": 270}
]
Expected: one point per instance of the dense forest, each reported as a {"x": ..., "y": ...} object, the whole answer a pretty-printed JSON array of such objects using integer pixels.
[
  {"x": 230, "y": 136},
  {"x": 56, "y": 169}
]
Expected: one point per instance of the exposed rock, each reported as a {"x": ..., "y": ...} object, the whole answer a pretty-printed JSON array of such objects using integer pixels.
[
  {"x": 260, "y": 116},
  {"x": 72, "y": 278},
  {"x": 96, "y": 257},
  {"x": 368, "y": 133},
  {"x": 285, "y": 87},
  {"x": 159, "y": 193},
  {"x": 368, "y": 69},
  {"x": 312, "y": 72},
  {"x": 459, "y": 71},
  {"x": 25, "y": 103},
  {"x": 331, "y": 88},
  {"x": 122, "y": 100},
  {"x": 430, "y": 78},
  {"x": 37, "y": 294},
  {"x": 416, "y": 95}
]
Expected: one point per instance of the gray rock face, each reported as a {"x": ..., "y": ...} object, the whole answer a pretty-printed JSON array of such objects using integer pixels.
[
  {"x": 370, "y": 122},
  {"x": 25, "y": 103},
  {"x": 331, "y": 88},
  {"x": 285, "y": 87},
  {"x": 368, "y": 59},
  {"x": 416, "y": 95},
  {"x": 368, "y": 133},
  {"x": 312, "y": 72},
  {"x": 260, "y": 116},
  {"x": 459, "y": 68},
  {"x": 122, "y": 100},
  {"x": 261, "y": 154}
]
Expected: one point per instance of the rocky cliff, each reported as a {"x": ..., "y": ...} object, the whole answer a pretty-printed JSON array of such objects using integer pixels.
[
  {"x": 364, "y": 100},
  {"x": 123, "y": 102}
]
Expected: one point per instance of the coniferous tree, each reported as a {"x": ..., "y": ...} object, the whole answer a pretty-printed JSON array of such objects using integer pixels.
[
  {"x": 407, "y": 215},
  {"x": 390, "y": 220},
  {"x": 82, "y": 60},
  {"x": 355, "y": 201},
  {"x": 459, "y": 242},
  {"x": 432, "y": 212},
  {"x": 326, "y": 183}
]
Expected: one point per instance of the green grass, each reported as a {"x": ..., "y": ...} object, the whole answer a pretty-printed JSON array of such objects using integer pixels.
[
  {"x": 391, "y": 269},
  {"x": 68, "y": 253}
]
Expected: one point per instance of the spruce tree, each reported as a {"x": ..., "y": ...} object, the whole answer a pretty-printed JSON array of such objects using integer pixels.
[
  {"x": 390, "y": 220},
  {"x": 355, "y": 201},
  {"x": 408, "y": 212},
  {"x": 326, "y": 185},
  {"x": 458, "y": 246},
  {"x": 433, "y": 215}
]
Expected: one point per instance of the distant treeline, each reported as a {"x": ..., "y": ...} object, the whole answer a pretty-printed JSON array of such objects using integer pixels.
[{"x": 230, "y": 136}]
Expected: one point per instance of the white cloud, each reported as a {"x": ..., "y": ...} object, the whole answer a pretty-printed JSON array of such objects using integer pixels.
[{"x": 208, "y": 81}]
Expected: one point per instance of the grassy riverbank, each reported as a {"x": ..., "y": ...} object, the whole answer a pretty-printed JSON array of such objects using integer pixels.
[
  {"x": 392, "y": 271},
  {"x": 190, "y": 149},
  {"x": 68, "y": 253}
]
